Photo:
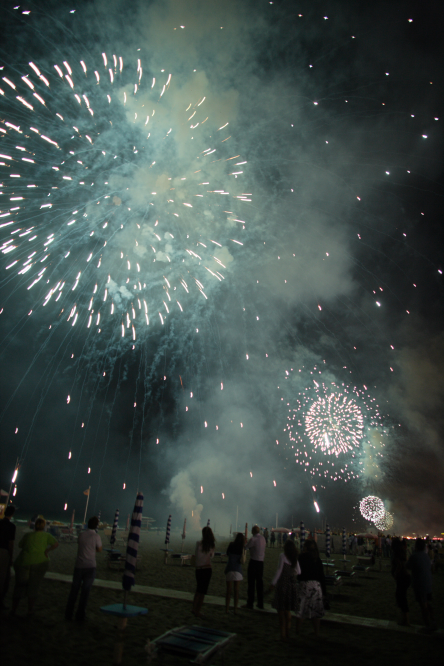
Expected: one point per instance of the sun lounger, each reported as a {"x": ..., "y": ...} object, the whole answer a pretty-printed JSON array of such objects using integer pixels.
[
  {"x": 196, "y": 644},
  {"x": 334, "y": 582},
  {"x": 360, "y": 568},
  {"x": 346, "y": 574},
  {"x": 183, "y": 557}
]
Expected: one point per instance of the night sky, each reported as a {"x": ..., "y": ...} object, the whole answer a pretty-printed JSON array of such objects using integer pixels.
[{"x": 218, "y": 219}]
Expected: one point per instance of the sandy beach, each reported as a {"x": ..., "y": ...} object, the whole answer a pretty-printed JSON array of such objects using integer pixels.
[{"x": 345, "y": 635}]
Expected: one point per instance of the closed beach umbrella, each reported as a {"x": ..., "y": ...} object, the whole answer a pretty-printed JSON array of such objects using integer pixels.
[
  {"x": 208, "y": 522},
  {"x": 72, "y": 521},
  {"x": 246, "y": 530},
  {"x": 344, "y": 543},
  {"x": 114, "y": 530},
  {"x": 302, "y": 535},
  {"x": 184, "y": 533},
  {"x": 168, "y": 530},
  {"x": 327, "y": 541},
  {"x": 133, "y": 545}
]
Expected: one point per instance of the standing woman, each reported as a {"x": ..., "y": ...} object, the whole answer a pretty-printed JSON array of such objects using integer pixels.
[
  {"x": 233, "y": 570},
  {"x": 32, "y": 564},
  {"x": 311, "y": 587},
  {"x": 285, "y": 585},
  {"x": 204, "y": 555}
]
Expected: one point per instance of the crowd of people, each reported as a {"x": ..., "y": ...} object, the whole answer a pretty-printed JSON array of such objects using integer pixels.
[
  {"x": 33, "y": 561},
  {"x": 298, "y": 585}
]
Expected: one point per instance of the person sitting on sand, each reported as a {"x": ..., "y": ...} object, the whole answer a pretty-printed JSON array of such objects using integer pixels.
[
  {"x": 89, "y": 543},
  {"x": 32, "y": 564},
  {"x": 233, "y": 570},
  {"x": 204, "y": 555},
  {"x": 285, "y": 585}
]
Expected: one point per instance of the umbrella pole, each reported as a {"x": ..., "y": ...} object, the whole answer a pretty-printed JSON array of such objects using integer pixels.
[{"x": 118, "y": 645}]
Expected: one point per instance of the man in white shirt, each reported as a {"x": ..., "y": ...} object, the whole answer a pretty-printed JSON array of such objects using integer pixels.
[
  {"x": 256, "y": 546},
  {"x": 89, "y": 544}
]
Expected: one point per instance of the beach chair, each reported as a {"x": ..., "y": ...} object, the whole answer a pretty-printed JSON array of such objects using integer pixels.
[
  {"x": 196, "y": 644},
  {"x": 66, "y": 534},
  {"x": 183, "y": 557},
  {"x": 360, "y": 569},
  {"x": 334, "y": 582}
]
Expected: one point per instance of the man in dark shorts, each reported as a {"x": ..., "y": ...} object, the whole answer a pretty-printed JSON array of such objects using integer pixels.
[
  {"x": 421, "y": 567},
  {"x": 256, "y": 546}
]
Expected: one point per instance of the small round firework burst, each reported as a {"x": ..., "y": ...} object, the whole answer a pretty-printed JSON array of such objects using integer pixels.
[
  {"x": 384, "y": 523},
  {"x": 372, "y": 508}
]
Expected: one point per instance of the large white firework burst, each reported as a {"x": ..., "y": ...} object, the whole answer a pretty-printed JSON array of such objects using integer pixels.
[{"x": 116, "y": 207}]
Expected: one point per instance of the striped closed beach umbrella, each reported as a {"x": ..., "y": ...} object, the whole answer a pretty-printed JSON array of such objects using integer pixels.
[
  {"x": 114, "y": 530},
  {"x": 71, "y": 527},
  {"x": 327, "y": 541},
  {"x": 168, "y": 531},
  {"x": 208, "y": 522},
  {"x": 344, "y": 542},
  {"x": 302, "y": 535},
  {"x": 133, "y": 545}
]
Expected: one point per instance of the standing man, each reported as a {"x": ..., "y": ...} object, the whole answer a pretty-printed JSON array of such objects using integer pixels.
[
  {"x": 7, "y": 538},
  {"x": 421, "y": 567},
  {"x": 256, "y": 546},
  {"x": 89, "y": 544}
]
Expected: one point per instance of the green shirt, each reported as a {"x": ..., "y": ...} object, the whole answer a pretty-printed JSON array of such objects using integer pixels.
[{"x": 33, "y": 547}]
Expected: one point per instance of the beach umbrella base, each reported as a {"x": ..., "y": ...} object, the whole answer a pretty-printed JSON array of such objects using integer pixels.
[{"x": 123, "y": 613}]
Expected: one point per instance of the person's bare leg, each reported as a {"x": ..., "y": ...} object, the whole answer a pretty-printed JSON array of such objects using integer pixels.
[
  {"x": 198, "y": 603},
  {"x": 15, "y": 603},
  {"x": 288, "y": 623},
  {"x": 31, "y": 602},
  {"x": 228, "y": 596},
  {"x": 282, "y": 625},
  {"x": 236, "y": 594},
  {"x": 316, "y": 625}
]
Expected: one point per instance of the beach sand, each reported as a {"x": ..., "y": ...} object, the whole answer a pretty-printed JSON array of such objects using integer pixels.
[{"x": 49, "y": 639}]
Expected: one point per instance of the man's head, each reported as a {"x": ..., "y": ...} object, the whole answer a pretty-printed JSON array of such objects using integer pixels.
[
  {"x": 93, "y": 523},
  {"x": 420, "y": 544},
  {"x": 255, "y": 530},
  {"x": 9, "y": 511}
]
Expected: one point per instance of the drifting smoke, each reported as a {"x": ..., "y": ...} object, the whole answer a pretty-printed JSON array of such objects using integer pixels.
[{"x": 220, "y": 192}]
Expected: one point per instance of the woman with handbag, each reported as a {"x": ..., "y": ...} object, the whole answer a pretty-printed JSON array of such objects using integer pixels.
[
  {"x": 285, "y": 585},
  {"x": 311, "y": 588},
  {"x": 233, "y": 570}
]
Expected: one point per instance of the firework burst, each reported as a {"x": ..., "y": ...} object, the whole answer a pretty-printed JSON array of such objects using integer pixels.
[
  {"x": 117, "y": 212},
  {"x": 372, "y": 508},
  {"x": 330, "y": 430}
]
